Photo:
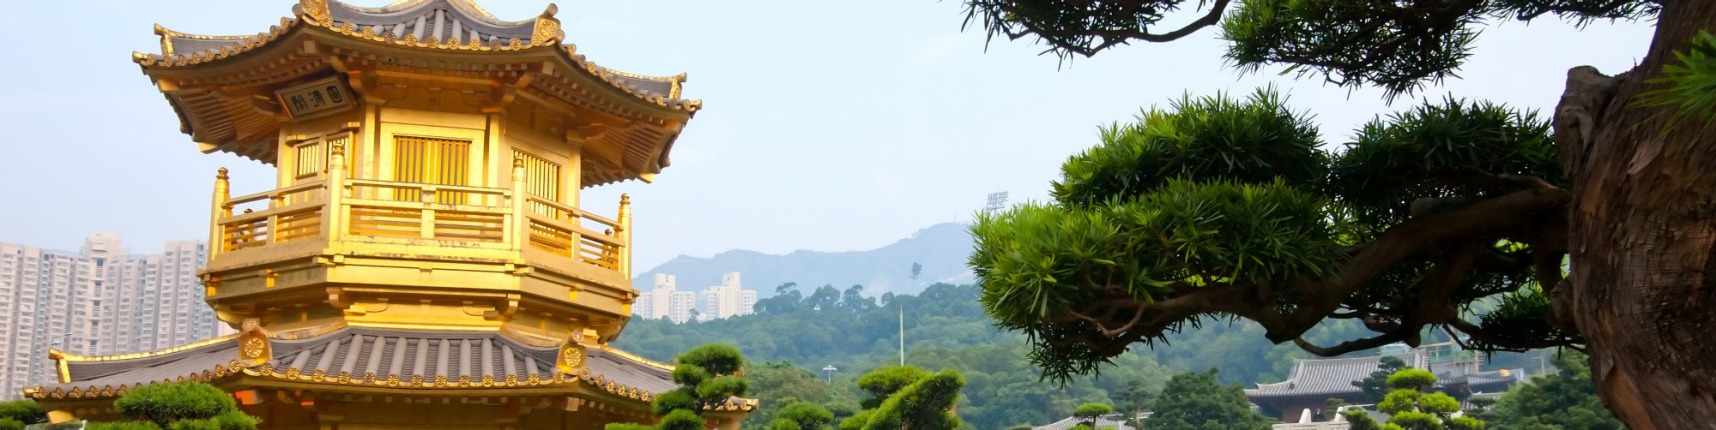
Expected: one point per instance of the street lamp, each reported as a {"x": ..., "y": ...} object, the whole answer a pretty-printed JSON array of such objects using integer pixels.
[{"x": 830, "y": 369}]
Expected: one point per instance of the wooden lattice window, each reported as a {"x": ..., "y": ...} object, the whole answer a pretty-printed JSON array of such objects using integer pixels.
[
  {"x": 541, "y": 179},
  {"x": 428, "y": 160},
  {"x": 309, "y": 159}
]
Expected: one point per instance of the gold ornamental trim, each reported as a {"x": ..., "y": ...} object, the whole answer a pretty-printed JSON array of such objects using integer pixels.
[{"x": 66, "y": 356}]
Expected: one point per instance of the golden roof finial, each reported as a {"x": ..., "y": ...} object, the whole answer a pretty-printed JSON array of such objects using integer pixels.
[
  {"x": 313, "y": 11},
  {"x": 625, "y": 199},
  {"x": 221, "y": 174}
]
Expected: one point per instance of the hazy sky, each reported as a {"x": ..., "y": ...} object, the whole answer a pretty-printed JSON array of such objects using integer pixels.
[{"x": 827, "y": 125}]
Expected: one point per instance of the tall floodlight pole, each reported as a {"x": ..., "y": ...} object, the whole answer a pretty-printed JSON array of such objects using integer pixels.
[
  {"x": 997, "y": 201},
  {"x": 830, "y": 369},
  {"x": 902, "y": 334}
]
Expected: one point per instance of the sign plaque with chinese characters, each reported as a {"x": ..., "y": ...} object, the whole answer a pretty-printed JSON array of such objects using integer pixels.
[{"x": 315, "y": 98}]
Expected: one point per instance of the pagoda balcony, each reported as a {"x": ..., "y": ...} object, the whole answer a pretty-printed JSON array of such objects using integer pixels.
[
  {"x": 463, "y": 221},
  {"x": 361, "y": 244}
]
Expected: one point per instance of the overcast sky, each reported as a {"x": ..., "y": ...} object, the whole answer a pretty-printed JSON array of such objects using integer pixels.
[{"x": 828, "y": 125}]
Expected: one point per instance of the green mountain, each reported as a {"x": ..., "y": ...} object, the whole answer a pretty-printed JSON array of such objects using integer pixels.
[{"x": 940, "y": 249}]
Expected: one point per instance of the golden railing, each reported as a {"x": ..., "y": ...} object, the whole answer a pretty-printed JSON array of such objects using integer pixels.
[{"x": 339, "y": 208}]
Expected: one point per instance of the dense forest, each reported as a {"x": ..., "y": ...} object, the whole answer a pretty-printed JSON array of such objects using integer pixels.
[{"x": 796, "y": 334}]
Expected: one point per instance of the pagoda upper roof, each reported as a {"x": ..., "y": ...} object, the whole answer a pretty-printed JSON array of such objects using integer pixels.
[
  {"x": 358, "y": 357},
  {"x": 454, "y": 25}
]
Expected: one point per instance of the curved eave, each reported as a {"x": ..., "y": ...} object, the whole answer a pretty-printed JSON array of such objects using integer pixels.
[
  {"x": 347, "y": 382},
  {"x": 239, "y": 45}
]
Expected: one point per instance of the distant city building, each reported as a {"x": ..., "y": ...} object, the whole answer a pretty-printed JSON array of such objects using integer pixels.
[
  {"x": 726, "y": 300},
  {"x": 721, "y": 301},
  {"x": 97, "y": 301},
  {"x": 665, "y": 301}
]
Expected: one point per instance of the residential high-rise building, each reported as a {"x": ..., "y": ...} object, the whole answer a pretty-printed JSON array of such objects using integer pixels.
[
  {"x": 665, "y": 301},
  {"x": 726, "y": 300},
  {"x": 97, "y": 301}
]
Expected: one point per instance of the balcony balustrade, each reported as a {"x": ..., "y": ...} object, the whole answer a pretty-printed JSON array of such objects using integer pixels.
[{"x": 508, "y": 223}]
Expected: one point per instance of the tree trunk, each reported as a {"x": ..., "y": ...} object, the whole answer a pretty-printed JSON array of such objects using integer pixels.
[{"x": 1643, "y": 284}]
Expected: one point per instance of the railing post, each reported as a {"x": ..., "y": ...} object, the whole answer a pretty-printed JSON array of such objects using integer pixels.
[
  {"x": 625, "y": 235},
  {"x": 217, "y": 236},
  {"x": 518, "y": 223},
  {"x": 334, "y": 188}
]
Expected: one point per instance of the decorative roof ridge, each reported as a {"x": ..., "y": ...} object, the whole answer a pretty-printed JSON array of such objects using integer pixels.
[
  {"x": 635, "y": 358},
  {"x": 468, "y": 7},
  {"x": 169, "y": 57},
  {"x": 670, "y": 100},
  {"x": 58, "y": 355},
  {"x": 107, "y": 390}
]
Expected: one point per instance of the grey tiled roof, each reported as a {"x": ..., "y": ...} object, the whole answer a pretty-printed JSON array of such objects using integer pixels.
[
  {"x": 1335, "y": 377},
  {"x": 442, "y": 20},
  {"x": 1321, "y": 377},
  {"x": 368, "y": 354},
  {"x": 1110, "y": 421}
]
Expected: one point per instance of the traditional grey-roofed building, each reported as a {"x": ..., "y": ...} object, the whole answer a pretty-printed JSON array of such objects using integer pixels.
[
  {"x": 1110, "y": 421},
  {"x": 1312, "y": 383}
]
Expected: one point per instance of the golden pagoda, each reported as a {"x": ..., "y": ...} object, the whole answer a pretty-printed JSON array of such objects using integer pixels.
[{"x": 424, "y": 260}]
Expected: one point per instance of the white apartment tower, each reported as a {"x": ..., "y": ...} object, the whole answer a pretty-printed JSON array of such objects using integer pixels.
[
  {"x": 727, "y": 300},
  {"x": 665, "y": 301},
  {"x": 98, "y": 301}
]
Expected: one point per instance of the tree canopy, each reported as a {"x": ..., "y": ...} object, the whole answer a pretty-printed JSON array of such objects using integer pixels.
[
  {"x": 1565, "y": 400},
  {"x": 1412, "y": 406},
  {"x": 1398, "y": 46},
  {"x": 1617, "y": 192},
  {"x": 1223, "y": 207},
  {"x": 708, "y": 376},
  {"x": 906, "y": 397},
  {"x": 178, "y": 406},
  {"x": 1197, "y": 400}
]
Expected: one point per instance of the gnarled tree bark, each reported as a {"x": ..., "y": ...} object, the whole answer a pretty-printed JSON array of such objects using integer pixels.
[{"x": 1643, "y": 223}]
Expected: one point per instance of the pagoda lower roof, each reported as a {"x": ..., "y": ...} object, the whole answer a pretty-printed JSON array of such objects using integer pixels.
[{"x": 434, "y": 362}]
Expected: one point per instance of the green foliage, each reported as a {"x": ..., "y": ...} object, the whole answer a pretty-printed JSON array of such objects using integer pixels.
[
  {"x": 714, "y": 359},
  {"x": 11, "y": 424},
  {"x": 707, "y": 376},
  {"x": 1040, "y": 265},
  {"x": 225, "y": 421},
  {"x": 1431, "y": 151},
  {"x": 1375, "y": 386},
  {"x": 857, "y": 420},
  {"x": 1398, "y": 46},
  {"x": 1188, "y": 201},
  {"x": 802, "y": 416},
  {"x": 924, "y": 405},
  {"x": 1412, "y": 407},
  {"x": 1091, "y": 411},
  {"x": 946, "y": 328},
  {"x": 1522, "y": 313},
  {"x": 779, "y": 384},
  {"x": 1198, "y": 400},
  {"x": 1690, "y": 82},
  {"x": 1566, "y": 400},
  {"x": 1256, "y": 139},
  {"x": 1412, "y": 379},
  {"x": 671, "y": 400},
  {"x": 681, "y": 419},
  {"x": 884, "y": 382},
  {"x": 123, "y": 425},
  {"x": 167, "y": 403},
  {"x": 24, "y": 411}
]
